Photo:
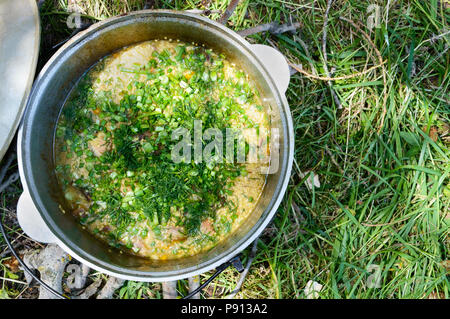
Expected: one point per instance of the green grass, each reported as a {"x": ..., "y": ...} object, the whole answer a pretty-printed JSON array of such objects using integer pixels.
[{"x": 385, "y": 193}]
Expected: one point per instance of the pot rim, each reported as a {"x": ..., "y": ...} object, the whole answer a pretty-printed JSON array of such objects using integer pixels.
[{"x": 176, "y": 274}]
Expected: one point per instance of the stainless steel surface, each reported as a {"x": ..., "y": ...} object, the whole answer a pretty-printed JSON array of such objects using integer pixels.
[
  {"x": 19, "y": 48},
  {"x": 51, "y": 89}
]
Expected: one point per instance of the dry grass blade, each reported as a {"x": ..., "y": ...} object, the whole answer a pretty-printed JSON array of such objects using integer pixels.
[
  {"x": 380, "y": 61},
  {"x": 273, "y": 28},
  {"x": 336, "y": 78},
  {"x": 324, "y": 53}
]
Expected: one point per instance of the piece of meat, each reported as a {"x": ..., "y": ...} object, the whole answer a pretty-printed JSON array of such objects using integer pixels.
[
  {"x": 79, "y": 212},
  {"x": 174, "y": 233},
  {"x": 77, "y": 200},
  {"x": 139, "y": 243},
  {"x": 207, "y": 227},
  {"x": 98, "y": 145},
  {"x": 106, "y": 229}
]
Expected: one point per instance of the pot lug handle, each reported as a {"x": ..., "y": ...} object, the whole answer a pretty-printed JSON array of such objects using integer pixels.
[
  {"x": 31, "y": 221},
  {"x": 275, "y": 63}
]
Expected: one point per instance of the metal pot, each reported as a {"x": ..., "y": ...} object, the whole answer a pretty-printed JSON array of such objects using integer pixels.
[{"x": 39, "y": 210}]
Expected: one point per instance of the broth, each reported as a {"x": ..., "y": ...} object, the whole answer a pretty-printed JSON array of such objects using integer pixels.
[{"x": 114, "y": 149}]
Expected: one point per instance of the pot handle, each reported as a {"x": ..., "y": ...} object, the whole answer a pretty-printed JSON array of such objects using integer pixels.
[
  {"x": 275, "y": 63},
  {"x": 31, "y": 221}
]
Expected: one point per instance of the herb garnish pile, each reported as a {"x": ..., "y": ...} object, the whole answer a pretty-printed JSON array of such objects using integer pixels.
[{"x": 134, "y": 179}]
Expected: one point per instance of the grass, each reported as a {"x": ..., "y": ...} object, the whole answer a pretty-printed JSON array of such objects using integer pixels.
[{"x": 382, "y": 208}]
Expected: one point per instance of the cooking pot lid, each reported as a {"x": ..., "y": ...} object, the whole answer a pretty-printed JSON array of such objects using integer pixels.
[{"x": 19, "y": 48}]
